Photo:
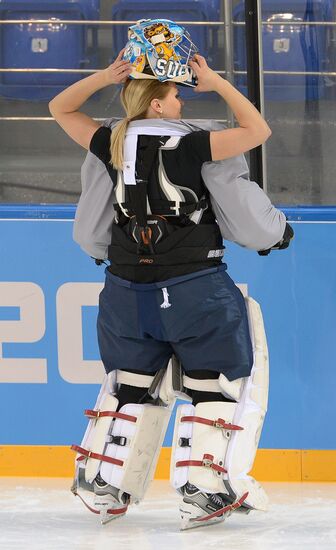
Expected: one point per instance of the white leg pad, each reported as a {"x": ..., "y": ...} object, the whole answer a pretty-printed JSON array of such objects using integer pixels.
[
  {"x": 203, "y": 440},
  {"x": 250, "y": 414},
  {"x": 139, "y": 433},
  {"x": 139, "y": 455},
  {"x": 232, "y": 449},
  {"x": 95, "y": 433}
]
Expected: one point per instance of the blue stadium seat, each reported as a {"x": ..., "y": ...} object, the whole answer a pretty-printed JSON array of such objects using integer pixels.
[
  {"x": 289, "y": 48},
  {"x": 48, "y": 45},
  {"x": 181, "y": 10}
]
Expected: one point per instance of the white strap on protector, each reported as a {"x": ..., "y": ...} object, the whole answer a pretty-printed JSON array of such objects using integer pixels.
[
  {"x": 133, "y": 379},
  {"x": 130, "y": 147},
  {"x": 210, "y": 385},
  {"x": 139, "y": 456},
  {"x": 131, "y": 141},
  {"x": 170, "y": 388}
]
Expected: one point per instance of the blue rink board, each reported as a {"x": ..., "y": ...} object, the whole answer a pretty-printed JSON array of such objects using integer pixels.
[{"x": 296, "y": 289}]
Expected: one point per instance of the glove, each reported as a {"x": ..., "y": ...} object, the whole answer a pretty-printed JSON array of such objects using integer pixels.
[{"x": 281, "y": 245}]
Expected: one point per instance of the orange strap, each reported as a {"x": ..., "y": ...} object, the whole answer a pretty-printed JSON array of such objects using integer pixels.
[{"x": 146, "y": 236}]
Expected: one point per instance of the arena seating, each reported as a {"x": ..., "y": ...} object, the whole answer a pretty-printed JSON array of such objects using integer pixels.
[
  {"x": 291, "y": 47},
  {"x": 53, "y": 45}
]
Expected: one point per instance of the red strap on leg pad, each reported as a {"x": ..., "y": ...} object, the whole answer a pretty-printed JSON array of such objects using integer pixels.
[
  {"x": 94, "y": 443},
  {"x": 206, "y": 462},
  {"x": 208, "y": 427},
  {"x": 223, "y": 511},
  {"x": 84, "y": 454},
  {"x": 219, "y": 423},
  {"x": 144, "y": 439}
]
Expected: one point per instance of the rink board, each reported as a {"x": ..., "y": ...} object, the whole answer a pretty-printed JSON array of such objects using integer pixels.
[{"x": 50, "y": 368}]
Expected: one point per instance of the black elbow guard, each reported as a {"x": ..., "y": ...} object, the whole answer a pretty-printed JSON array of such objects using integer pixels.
[{"x": 281, "y": 245}]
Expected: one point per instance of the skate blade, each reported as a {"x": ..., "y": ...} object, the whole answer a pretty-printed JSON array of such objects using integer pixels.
[
  {"x": 242, "y": 511},
  {"x": 107, "y": 518},
  {"x": 189, "y": 521},
  {"x": 108, "y": 508}
]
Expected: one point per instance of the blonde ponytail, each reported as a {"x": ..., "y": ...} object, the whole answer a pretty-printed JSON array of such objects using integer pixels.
[
  {"x": 117, "y": 144},
  {"x": 136, "y": 98}
]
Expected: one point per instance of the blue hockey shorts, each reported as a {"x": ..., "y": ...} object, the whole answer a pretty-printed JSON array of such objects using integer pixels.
[{"x": 200, "y": 317}]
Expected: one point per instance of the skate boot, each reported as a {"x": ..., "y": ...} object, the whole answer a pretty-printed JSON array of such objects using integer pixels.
[
  {"x": 109, "y": 502},
  {"x": 199, "y": 508}
]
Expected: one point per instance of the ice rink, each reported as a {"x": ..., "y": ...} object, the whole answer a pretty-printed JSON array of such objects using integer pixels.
[{"x": 38, "y": 514}]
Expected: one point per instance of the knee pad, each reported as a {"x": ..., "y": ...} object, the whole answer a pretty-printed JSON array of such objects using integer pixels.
[
  {"x": 215, "y": 443},
  {"x": 121, "y": 446}
]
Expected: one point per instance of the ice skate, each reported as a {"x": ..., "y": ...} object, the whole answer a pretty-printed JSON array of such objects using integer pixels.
[
  {"x": 199, "y": 508},
  {"x": 109, "y": 502}
]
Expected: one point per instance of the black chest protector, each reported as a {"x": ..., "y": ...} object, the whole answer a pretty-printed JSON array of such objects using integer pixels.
[{"x": 161, "y": 223}]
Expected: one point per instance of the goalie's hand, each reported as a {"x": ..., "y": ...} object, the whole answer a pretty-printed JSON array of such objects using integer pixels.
[
  {"x": 118, "y": 71},
  {"x": 281, "y": 245},
  {"x": 207, "y": 79}
]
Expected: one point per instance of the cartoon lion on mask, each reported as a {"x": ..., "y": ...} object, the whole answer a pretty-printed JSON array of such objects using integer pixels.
[{"x": 163, "y": 40}]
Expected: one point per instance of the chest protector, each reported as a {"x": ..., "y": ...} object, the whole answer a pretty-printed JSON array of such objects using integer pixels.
[{"x": 158, "y": 222}]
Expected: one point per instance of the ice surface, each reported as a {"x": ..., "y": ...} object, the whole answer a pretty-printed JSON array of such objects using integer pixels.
[{"x": 39, "y": 513}]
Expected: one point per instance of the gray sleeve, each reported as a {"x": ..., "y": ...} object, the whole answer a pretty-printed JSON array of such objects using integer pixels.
[
  {"x": 243, "y": 211},
  {"x": 95, "y": 212}
]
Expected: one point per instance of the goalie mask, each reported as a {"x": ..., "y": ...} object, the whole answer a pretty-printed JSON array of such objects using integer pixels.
[{"x": 160, "y": 49}]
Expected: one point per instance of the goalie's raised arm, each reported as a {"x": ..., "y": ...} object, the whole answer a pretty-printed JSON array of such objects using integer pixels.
[
  {"x": 253, "y": 130},
  {"x": 64, "y": 107}
]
